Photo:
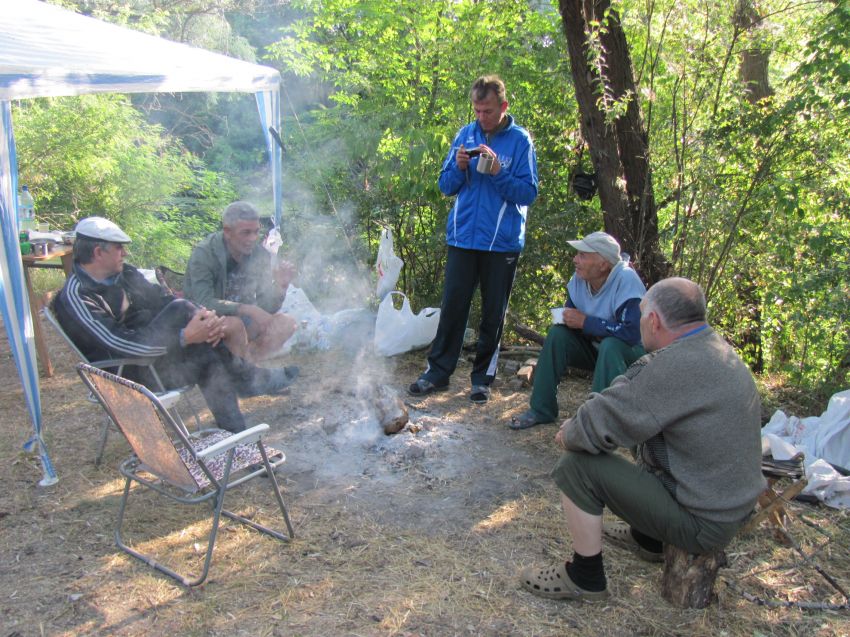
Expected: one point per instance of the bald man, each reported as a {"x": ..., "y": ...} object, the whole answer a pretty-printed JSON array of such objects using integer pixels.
[{"x": 691, "y": 410}]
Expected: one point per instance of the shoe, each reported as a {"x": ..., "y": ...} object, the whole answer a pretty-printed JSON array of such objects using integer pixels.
[
  {"x": 620, "y": 535},
  {"x": 555, "y": 583},
  {"x": 528, "y": 418},
  {"x": 281, "y": 379},
  {"x": 424, "y": 387},
  {"x": 479, "y": 394}
]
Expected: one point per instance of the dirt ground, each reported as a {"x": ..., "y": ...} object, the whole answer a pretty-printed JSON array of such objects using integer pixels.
[{"x": 419, "y": 533}]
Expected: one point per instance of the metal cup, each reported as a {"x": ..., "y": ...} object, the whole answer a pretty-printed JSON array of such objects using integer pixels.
[{"x": 485, "y": 163}]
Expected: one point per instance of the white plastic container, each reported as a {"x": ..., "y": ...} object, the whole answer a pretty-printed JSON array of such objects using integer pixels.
[{"x": 26, "y": 210}]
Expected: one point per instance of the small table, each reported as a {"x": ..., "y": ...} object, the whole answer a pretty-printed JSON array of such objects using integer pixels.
[{"x": 66, "y": 262}]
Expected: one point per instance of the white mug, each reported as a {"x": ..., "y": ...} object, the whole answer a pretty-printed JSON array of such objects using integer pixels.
[{"x": 558, "y": 315}]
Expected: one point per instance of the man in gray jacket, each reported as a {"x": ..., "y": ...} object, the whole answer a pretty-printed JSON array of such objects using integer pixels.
[
  {"x": 691, "y": 413},
  {"x": 230, "y": 273}
]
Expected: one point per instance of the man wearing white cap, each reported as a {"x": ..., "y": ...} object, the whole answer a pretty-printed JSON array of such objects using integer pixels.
[
  {"x": 600, "y": 330},
  {"x": 111, "y": 311}
]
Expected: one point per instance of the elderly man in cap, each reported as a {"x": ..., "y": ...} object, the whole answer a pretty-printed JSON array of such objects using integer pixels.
[
  {"x": 691, "y": 413},
  {"x": 600, "y": 330},
  {"x": 231, "y": 273},
  {"x": 110, "y": 311}
]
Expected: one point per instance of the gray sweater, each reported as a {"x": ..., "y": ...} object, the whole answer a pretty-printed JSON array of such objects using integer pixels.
[{"x": 691, "y": 413}]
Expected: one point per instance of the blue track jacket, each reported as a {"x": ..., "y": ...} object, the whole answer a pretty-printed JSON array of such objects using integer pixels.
[{"x": 489, "y": 212}]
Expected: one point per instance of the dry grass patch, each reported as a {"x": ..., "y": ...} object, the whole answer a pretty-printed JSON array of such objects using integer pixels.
[{"x": 415, "y": 534}]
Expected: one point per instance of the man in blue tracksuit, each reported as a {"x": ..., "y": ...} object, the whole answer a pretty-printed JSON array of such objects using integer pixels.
[{"x": 491, "y": 170}]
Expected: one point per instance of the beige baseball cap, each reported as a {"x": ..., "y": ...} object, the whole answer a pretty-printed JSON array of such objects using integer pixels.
[{"x": 600, "y": 242}]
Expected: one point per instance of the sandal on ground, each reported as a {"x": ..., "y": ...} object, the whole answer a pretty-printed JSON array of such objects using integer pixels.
[
  {"x": 424, "y": 387},
  {"x": 620, "y": 535},
  {"x": 526, "y": 419},
  {"x": 555, "y": 583}
]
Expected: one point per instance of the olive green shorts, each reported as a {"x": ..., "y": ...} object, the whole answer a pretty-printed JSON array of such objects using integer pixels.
[{"x": 594, "y": 482}]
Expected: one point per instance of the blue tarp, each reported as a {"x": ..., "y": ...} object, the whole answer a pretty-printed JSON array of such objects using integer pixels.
[{"x": 47, "y": 51}]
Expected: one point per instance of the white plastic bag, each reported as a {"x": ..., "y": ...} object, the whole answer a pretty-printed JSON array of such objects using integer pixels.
[
  {"x": 388, "y": 265},
  {"x": 398, "y": 331}
]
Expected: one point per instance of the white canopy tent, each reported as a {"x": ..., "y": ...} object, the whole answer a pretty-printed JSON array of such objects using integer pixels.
[{"x": 46, "y": 51}]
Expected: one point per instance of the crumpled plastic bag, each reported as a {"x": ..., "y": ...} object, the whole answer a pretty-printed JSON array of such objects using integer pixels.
[
  {"x": 272, "y": 244},
  {"x": 398, "y": 331},
  {"x": 388, "y": 265},
  {"x": 317, "y": 331},
  {"x": 824, "y": 442}
]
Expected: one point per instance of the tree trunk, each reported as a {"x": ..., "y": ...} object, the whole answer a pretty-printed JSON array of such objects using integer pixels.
[
  {"x": 753, "y": 68},
  {"x": 753, "y": 73},
  {"x": 619, "y": 147}
]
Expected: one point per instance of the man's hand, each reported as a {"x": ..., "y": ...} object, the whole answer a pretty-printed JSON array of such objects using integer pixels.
[
  {"x": 205, "y": 327},
  {"x": 284, "y": 273},
  {"x": 561, "y": 436},
  {"x": 462, "y": 158},
  {"x": 495, "y": 167},
  {"x": 573, "y": 318}
]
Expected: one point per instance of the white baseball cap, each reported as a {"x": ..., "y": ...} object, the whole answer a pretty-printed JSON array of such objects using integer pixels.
[
  {"x": 602, "y": 243},
  {"x": 101, "y": 229}
]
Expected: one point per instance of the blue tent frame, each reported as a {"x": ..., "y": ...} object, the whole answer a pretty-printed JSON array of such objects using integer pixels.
[{"x": 47, "y": 51}]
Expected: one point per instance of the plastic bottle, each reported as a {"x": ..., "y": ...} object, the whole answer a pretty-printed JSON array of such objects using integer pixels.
[{"x": 26, "y": 210}]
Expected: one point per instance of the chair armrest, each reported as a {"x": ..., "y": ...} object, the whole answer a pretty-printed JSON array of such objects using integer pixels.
[
  {"x": 243, "y": 437},
  {"x": 169, "y": 398},
  {"x": 120, "y": 362}
]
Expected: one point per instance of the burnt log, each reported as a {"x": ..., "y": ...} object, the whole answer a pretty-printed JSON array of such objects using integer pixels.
[
  {"x": 391, "y": 411},
  {"x": 688, "y": 580}
]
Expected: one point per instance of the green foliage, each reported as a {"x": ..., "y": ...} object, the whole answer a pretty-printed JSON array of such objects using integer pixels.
[
  {"x": 755, "y": 195},
  {"x": 398, "y": 92},
  {"x": 95, "y": 155}
]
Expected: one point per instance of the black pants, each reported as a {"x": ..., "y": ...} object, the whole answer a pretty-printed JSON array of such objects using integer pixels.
[
  {"x": 213, "y": 369},
  {"x": 466, "y": 270}
]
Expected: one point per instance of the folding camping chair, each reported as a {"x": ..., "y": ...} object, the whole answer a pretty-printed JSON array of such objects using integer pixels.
[
  {"x": 188, "y": 469},
  {"x": 170, "y": 280},
  {"x": 169, "y": 398}
]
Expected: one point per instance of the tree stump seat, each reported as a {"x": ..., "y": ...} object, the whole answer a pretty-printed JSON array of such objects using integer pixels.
[{"x": 688, "y": 579}]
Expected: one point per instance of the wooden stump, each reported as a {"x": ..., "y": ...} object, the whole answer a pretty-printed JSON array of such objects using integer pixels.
[{"x": 688, "y": 580}]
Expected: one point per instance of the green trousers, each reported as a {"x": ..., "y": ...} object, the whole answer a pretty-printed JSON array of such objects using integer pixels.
[
  {"x": 565, "y": 347},
  {"x": 594, "y": 481}
]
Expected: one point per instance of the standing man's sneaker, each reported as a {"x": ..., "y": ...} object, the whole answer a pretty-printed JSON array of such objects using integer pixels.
[
  {"x": 479, "y": 394},
  {"x": 424, "y": 387}
]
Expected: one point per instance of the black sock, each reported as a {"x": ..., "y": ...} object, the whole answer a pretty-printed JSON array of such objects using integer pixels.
[
  {"x": 649, "y": 543},
  {"x": 587, "y": 572}
]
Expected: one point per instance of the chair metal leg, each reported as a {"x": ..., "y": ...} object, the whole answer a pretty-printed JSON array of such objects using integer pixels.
[
  {"x": 218, "y": 510},
  {"x": 219, "y": 504},
  {"x": 102, "y": 445},
  {"x": 276, "y": 489},
  {"x": 162, "y": 568}
]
